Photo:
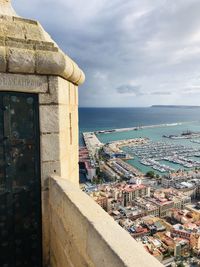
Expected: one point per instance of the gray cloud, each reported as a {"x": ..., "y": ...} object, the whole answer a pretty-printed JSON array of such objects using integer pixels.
[
  {"x": 192, "y": 91},
  {"x": 153, "y": 43},
  {"x": 161, "y": 93},
  {"x": 129, "y": 89}
]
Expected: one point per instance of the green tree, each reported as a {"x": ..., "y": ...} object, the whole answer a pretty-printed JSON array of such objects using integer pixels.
[
  {"x": 180, "y": 264},
  {"x": 150, "y": 174},
  {"x": 98, "y": 173}
]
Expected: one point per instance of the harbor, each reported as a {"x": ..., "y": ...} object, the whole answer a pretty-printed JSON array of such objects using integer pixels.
[
  {"x": 153, "y": 154},
  {"x": 163, "y": 149},
  {"x": 160, "y": 154}
]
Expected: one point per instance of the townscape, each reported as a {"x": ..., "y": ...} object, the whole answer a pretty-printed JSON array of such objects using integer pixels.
[
  {"x": 161, "y": 210},
  {"x": 127, "y": 196}
]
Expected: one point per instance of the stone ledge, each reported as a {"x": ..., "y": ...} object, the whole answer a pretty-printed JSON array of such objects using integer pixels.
[{"x": 100, "y": 240}]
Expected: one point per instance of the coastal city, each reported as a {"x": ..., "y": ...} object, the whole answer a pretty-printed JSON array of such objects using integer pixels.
[
  {"x": 99, "y": 133},
  {"x": 158, "y": 207}
]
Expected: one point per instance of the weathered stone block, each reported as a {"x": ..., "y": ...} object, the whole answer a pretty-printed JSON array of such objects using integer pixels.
[
  {"x": 48, "y": 169},
  {"x": 58, "y": 92},
  {"x": 63, "y": 91},
  {"x": 50, "y": 147},
  {"x": 23, "y": 83},
  {"x": 47, "y": 46},
  {"x": 52, "y": 96},
  {"x": 2, "y": 59},
  {"x": 2, "y": 29},
  {"x": 32, "y": 31},
  {"x": 6, "y": 8},
  {"x": 64, "y": 138},
  {"x": 12, "y": 29},
  {"x": 2, "y": 41},
  {"x": 21, "y": 60},
  {"x": 49, "y": 118},
  {"x": 63, "y": 118},
  {"x": 5, "y": 18},
  {"x": 49, "y": 62},
  {"x": 18, "y": 43},
  {"x": 53, "y": 118}
]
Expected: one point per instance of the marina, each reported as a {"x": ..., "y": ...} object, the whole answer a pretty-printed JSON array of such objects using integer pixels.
[
  {"x": 160, "y": 154},
  {"x": 152, "y": 153},
  {"x": 195, "y": 141}
]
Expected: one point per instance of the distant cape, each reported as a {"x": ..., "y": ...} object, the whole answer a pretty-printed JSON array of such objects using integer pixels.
[{"x": 173, "y": 106}]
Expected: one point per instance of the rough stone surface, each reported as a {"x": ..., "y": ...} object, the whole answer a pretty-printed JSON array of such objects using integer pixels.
[
  {"x": 31, "y": 50},
  {"x": 47, "y": 168},
  {"x": 2, "y": 59},
  {"x": 21, "y": 60},
  {"x": 59, "y": 154},
  {"x": 83, "y": 234},
  {"x": 54, "y": 118},
  {"x": 53, "y": 94},
  {"x": 6, "y": 8},
  {"x": 49, "y": 115},
  {"x": 50, "y": 147},
  {"x": 23, "y": 83},
  {"x": 49, "y": 62}
]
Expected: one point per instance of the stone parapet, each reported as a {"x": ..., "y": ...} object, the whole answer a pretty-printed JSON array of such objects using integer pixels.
[{"x": 83, "y": 234}]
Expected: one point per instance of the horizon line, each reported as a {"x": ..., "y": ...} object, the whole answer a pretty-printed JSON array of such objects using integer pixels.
[{"x": 192, "y": 106}]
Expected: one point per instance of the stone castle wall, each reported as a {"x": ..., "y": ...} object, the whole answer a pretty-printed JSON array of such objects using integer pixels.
[
  {"x": 83, "y": 234},
  {"x": 58, "y": 111},
  {"x": 59, "y": 141}
]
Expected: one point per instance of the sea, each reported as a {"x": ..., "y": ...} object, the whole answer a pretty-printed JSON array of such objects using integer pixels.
[{"x": 176, "y": 120}]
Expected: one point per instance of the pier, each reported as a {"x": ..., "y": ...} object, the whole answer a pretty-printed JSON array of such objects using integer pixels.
[{"x": 136, "y": 128}]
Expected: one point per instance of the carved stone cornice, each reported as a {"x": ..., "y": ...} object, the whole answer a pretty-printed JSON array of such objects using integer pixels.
[{"x": 25, "y": 47}]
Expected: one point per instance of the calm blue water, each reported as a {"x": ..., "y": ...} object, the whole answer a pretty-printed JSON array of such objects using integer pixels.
[{"x": 91, "y": 119}]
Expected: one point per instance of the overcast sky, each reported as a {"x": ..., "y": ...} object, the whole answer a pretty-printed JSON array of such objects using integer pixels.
[{"x": 133, "y": 52}]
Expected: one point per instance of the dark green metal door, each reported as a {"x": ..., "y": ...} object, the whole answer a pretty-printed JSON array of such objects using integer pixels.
[{"x": 20, "y": 201}]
